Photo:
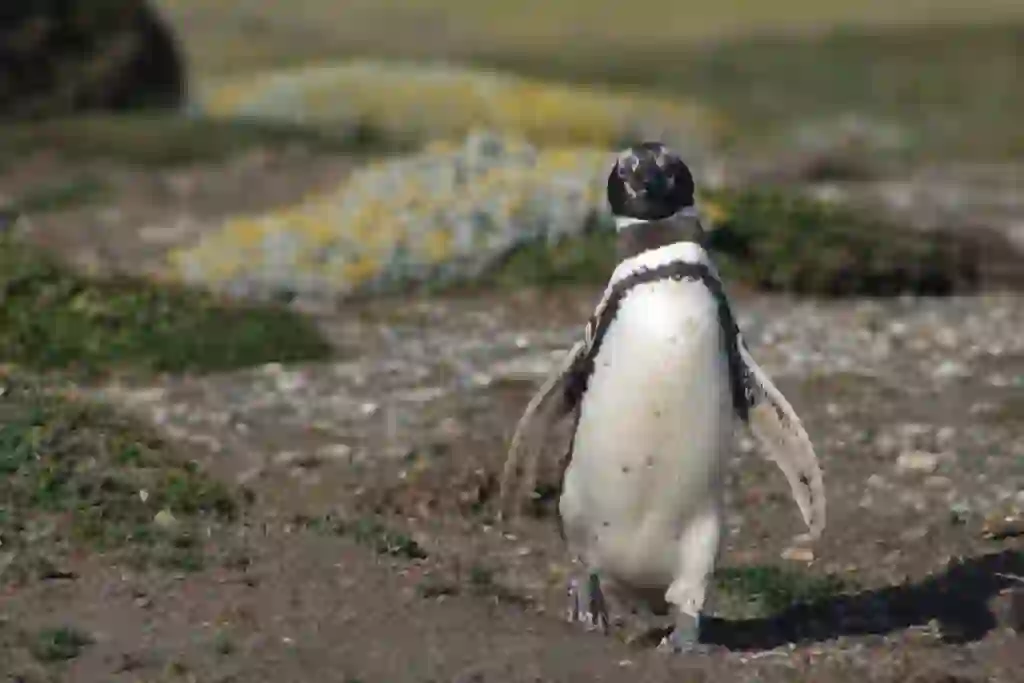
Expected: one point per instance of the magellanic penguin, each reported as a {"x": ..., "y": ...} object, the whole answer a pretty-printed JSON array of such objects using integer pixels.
[{"x": 654, "y": 390}]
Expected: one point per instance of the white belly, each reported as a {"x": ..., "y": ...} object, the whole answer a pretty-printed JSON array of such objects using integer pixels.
[{"x": 654, "y": 423}]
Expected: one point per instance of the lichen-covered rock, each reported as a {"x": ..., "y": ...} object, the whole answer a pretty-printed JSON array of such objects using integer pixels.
[
  {"x": 417, "y": 102},
  {"x": 59, "y": 57},
  {"x": 442, "y": 216},
  {"x": 499, "y": 209}
]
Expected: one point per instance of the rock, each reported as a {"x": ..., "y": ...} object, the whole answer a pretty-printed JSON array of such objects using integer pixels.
[
  {"x": 914, "y": 534},
  {"x": 950, "y": 370},
  {"x": 798, "y": 554},
  {"x": 85, "y": 55},
  {"x": 462, "y": 212},
  {"x": 877, "y": 481},
  {"x": 1000, "y": 528},
  {"x": 918, "y": 462},
  {"x": 335, "y": 451},
  {"x": 165, "y": 519}
]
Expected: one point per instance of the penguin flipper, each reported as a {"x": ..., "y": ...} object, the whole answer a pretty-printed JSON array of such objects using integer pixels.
[
  {"x": 552, "y": 402},
  {"x": 781, "y": 434}
]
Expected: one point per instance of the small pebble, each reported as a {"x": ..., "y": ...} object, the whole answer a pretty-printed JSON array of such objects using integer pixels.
[
  {"x": 798, "y": 554},
  {"x": 164, "y": 519},
  {"x": 917, "y": 461}
]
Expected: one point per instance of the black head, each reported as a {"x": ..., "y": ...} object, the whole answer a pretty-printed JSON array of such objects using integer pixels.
[{"x": 649, "y": 182}]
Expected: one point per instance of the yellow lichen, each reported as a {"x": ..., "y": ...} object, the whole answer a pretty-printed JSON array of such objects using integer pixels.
[{"x": 442, "y": 210}]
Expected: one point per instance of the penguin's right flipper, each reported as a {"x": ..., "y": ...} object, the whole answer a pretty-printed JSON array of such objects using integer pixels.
[{"x": 553, "y": 402}]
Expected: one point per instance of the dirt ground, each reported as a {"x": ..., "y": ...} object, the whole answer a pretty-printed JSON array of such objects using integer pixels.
[{"x": 370, "y": 553}]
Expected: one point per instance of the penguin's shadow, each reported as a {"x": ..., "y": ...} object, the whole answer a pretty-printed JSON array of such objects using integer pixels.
[{"x": 957, "y": 598}]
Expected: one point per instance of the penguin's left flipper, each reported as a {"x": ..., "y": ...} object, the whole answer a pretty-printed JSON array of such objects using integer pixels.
[
  {"x": 778, "y": 429},
  {"x": 553, "y": 402}
]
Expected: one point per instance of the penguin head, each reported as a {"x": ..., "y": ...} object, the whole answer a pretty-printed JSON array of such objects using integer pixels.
[{"x": 649, "y": 182}]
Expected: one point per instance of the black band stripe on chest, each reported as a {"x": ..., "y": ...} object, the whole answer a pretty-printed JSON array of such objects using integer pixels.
[{"x": 597, "y": 327}]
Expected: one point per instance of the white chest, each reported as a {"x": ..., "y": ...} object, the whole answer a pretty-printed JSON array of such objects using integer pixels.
[
  {"x": 654, "y": 421},
  {"x": 661, "y": 369}
]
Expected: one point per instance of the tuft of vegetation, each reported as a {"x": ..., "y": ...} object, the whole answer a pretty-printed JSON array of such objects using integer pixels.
[
  {"x": 386, "y": 541},
  {"x": 52, "y": 318},
  {"x": 761, "y": 590},
  {"x": 77, "y": 477},
  {"x": 368, "y": 531},
  {"x": 779, "y": 241},
  {"x": 58, "y": 644},
  {"x": 784, "y": 242}
]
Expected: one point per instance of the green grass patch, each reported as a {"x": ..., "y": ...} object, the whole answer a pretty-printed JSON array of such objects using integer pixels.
[
  {"x": 58, "y": 644},
  {"x": 75, "y": 477},
  {"x": 368, "y": 531},
  {"x": 169, "y": 139},
  {"x": 763, "y": 590},
  {"x": 52, "y": 318},
  {"x": 778, "y": 241},
  {"x": 386, "y": 541}
]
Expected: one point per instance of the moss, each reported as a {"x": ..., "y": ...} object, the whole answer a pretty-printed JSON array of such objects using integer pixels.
[
  {"x": 77, "y": 477},
  {"x": 53, "y": 318},
  {"x": 369, "y": 531},
  {"x": 57, "y": 644},
  {"x": 761, "y": 590},
  {"x": 783, "y": 242},
  {"x": 778, "y": 241}
]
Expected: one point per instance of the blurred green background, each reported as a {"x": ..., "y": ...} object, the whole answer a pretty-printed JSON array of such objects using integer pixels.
[
  {"x": 948, "y": 68},
  {"x": 468, "y": 130}
]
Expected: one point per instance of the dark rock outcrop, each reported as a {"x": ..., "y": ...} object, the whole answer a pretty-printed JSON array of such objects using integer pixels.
[{"x": 60, "y": 57}]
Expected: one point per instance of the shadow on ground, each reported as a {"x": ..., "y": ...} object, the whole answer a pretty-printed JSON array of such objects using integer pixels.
[{"x": 958, "y": 599}]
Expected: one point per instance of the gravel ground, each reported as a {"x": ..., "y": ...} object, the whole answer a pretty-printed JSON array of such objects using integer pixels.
[
  {"x": 370, "y": 553},
  {"x": 914, "y": 405}
]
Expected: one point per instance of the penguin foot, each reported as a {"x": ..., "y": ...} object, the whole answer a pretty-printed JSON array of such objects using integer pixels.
[
  {"x": 587, "y": 604},
  {"x": 685, "y": 637}
]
